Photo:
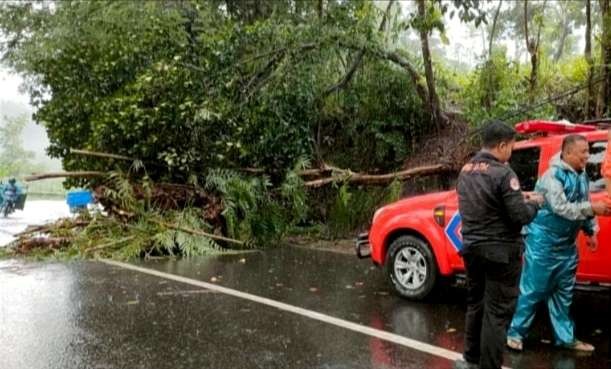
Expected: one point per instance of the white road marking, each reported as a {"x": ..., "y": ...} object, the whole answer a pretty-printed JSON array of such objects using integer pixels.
[
  {"x": 184, "y": 293},
  {"x": 373, "y": 332}
]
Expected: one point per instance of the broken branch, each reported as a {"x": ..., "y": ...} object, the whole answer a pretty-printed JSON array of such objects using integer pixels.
[
  {"x": 101, "y": 154},
  {"x": 377, "y": 179},
  {"x": 63, "y": 224},
  {"x": 81, "y": 174},
  {"x": 42, "y": 242}
]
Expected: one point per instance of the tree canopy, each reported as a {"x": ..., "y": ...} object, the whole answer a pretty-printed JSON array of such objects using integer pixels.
[
  {"x": 226, "y": 103},
  {"x": 188, "y": 86}
]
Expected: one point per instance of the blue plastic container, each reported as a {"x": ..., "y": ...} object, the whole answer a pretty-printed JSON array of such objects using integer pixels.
[{"x": 79, "y": 199}]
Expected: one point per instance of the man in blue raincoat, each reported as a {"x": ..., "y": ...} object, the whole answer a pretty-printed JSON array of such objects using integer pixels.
[
  {"x": 550, "y": 259},
  {"x": 10, "y": 191}
]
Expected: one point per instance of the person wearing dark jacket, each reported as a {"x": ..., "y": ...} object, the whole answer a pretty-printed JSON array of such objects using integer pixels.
[{"x": 493, "y": 210}]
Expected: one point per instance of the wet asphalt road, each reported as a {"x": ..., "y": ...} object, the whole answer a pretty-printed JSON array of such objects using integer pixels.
[
  {"x": 92, "y": 315},
  {"x": 36, "y": 212}
]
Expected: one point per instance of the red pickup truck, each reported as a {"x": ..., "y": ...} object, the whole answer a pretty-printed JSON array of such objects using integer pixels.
[{"x": 417, "y": 240}]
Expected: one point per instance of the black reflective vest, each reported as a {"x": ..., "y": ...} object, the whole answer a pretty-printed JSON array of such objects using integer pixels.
[{"x": 492, "y": 208}]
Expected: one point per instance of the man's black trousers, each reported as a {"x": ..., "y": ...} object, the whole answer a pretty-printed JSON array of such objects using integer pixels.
[{"x": 492, "y": 292}]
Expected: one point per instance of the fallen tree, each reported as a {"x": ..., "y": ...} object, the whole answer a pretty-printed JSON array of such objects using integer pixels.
[
  {"x": 328, "y": 173},
  {"x": 228, "y": 209},
  {"x": 75, "y": 174},
  {"x": 347, "y": 176}
]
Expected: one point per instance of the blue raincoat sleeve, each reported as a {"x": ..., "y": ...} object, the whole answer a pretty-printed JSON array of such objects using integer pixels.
[
  {"x": 590, "y": 226},
  {"x": 553, "y": 191}
]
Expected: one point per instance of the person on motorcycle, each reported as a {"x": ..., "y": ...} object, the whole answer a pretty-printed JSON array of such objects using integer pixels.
[{"x": 10, "y": 193}]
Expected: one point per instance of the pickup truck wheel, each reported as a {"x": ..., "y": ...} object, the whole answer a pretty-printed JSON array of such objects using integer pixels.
[{"x": 411, "y": 267}]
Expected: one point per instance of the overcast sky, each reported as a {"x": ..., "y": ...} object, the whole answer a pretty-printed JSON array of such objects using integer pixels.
[{"x": 9, "y": 87}]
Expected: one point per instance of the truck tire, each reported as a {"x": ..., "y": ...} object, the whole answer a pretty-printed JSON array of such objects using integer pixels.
[{"x": 411, "y": 267}]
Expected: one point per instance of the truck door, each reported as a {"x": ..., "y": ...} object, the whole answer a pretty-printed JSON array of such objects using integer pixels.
[{"x": 594, "y": 266}]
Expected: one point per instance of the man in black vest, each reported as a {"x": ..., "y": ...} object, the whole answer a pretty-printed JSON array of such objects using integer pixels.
[{"x": 493, "y": 210}]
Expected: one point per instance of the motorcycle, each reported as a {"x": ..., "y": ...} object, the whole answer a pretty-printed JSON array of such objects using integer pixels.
[
  {"x": 10, "y": 203},
  {"x": 7, "y": 208}
]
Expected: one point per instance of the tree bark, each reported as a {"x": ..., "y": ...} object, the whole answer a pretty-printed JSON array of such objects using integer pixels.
[
  {"x": 605, "y": 90},
  {"x": 82, "y": 174},
  {"x": 320, "y": 9},
  {"x": 489, "y": 89},
  {"x": 54, "y": 243},
  {"x": 590, "y": 102},
  {"x": 493, "y": 29},
  {"x": 530, "y": 49},
  {"x": 533, "y": 49},
  {"x": 433, "y": 99},
  {"x": 61, "y": 224},
  {"x": 257, "y": 10},
  {"x": 416, "y": 78},
  {"x": 101, "y": 154},
  {"x": 376, "y": 179}
]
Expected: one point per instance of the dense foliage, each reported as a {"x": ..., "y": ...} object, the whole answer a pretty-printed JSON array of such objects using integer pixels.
[
  {"x": 186, "y": 87},
  {"x": 194, "y": 88}
]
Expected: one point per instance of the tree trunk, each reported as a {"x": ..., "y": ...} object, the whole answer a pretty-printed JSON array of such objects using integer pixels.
[
  {"x": 590, "y": 102},
  {"x": 81, "y": 174},
  {"x": 489, "y": 89},
  {"x": 415, "y": 77},
  {"x": 433, "y": 99},
  {"x": 530, "y": 50},
  {"x": 320, "y": 8},
  {"x": 257, "y": 10},
  {"x": 494, "y": 23},
  {"x": 605, "y": 92},
  {"x": 347, "y": 176},
  {"x": 565, "y": 33},
  {"x": 533, "y": 49}
]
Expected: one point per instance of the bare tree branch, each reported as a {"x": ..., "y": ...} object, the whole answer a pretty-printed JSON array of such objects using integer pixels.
[
  {"x": 493, "y": 30},
  {"x": 101, "y": 154},
  {"x": 590, "y": 102},
  {"x": 433, "y": 100},
  {"x": 417, "y": 79},
  {"x": 81, "y": 174},
  {"x": 377, "y": 179}
]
